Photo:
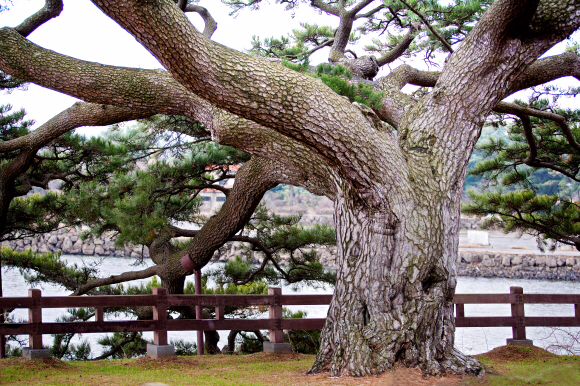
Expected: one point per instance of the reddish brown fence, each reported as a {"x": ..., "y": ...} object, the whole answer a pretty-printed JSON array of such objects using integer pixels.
[
  {"x": 160, "y": 301},
  {"x": 517, "y": 321}
]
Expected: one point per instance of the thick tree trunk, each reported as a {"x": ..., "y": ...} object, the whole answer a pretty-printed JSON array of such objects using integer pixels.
[{"x": 393, "y": 297}]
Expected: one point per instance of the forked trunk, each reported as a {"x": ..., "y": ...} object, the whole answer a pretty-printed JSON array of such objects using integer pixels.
[{"x": 395, "y": 286}]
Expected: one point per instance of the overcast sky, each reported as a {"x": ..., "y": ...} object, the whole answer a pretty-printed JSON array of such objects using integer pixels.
[{"x": 84, "y": 32}]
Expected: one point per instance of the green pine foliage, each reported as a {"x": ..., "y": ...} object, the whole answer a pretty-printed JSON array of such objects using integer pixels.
[
  {"x": 338, "y": 78},
  {"x": 136, "y": 348},
  {"x": 533, "y": 194},
  {"x": 37, "y": 268},
  {"x": 283, "y": 237},
  {"x": 34, "y": 214},
  {"x": 302, "y": 341},
  {"x": 13, "y": 124},
  {"x": 151, "y": 189},
  {"x": 452, "y": 20},
  {"x": 549, "y": 217},
  {"x": 62, "y": 348},
  {"x": 183, "y": 348}
]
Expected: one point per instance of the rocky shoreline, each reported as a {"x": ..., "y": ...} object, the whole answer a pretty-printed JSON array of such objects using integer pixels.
[
  {"x": 473, "y": 264},
  {"x": 68, "y": 241},
  {"x": 544, "y": 267}
]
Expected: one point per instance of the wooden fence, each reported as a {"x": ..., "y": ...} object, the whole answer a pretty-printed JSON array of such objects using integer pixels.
[{"x": 275, "y": 300}]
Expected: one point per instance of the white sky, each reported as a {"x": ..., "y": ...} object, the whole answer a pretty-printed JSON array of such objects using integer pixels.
[{"x": 84, "y": 32}]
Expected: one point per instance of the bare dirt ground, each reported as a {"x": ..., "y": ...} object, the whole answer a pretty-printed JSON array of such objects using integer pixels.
[{"x": 397, "y": 377}]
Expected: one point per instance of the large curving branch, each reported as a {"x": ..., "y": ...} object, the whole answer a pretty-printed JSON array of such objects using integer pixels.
[
  {"x": 370, "y": 13},
  {"x": 395, "y": 104},
  {"x": 269, "y": 94},
  {"x": 51, "y": 9},
  {"x": 152, "y": 91},
  {"x": 97, "y": 83},
  {"x": 253, "y": 180},
  {"x": 328, "y": 8},
  {"x": 79, "y": 114},
  {"x": 225, "y": 77},
  {"x": 548, "y": 69}
]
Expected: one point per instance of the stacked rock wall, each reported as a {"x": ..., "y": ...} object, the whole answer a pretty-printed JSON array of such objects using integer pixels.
[
  {"x": 68, "y": 242},
  {"x": 485, "y": 264}
]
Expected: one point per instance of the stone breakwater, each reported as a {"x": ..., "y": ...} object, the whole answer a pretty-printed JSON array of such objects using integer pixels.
[
  {"x": 546, "y": 267},
  {"x": 68, "y": 241},
  {"x": 474, "y": 264},
  {"x": 477, "y": 264}
]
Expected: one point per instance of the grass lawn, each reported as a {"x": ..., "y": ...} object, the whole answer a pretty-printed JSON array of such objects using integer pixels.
[
  {"x": 510, "y": 365},
  {"x": 507, "y": 366}
]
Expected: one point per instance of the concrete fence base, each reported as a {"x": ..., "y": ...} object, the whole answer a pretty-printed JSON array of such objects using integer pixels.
[
  {"x": 154, "y": 351},
  {"x": 28, "y": 353},
  {"x": 277, "y": 348},
  {"x": 518, "y": 342}
]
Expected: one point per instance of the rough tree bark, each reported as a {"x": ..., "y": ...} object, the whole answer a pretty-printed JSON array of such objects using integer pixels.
[{"x": 396, "y": 194}]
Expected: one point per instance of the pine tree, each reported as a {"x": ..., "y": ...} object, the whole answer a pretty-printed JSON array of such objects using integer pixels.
[{"x": 533, "y": 177}]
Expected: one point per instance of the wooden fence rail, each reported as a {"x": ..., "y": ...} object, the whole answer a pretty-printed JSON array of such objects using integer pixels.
[{"x": 275, "y": 300}]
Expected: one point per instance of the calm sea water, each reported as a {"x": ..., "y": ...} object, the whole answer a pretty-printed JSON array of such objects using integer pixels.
[{"x": 469, "y": 340}]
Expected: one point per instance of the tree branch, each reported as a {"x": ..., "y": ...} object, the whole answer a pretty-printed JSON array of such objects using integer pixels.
[
  {"x": 370, "y": 13},
  {"x": 118, "y": 347},
  {"x": 227, "y": 78},
  {"x": 152, "y": 90},
  {"x": 210, "y": 23},
  {"x": 405, "y": 74},
  {"x": 255, "y": 242},
  {"x": 512, "y": 108},
  {"x": 51, "y": 9},
  {"x": 157, "y": 92},
  {"x": 542, "y": 71},
  {"x": 548, "y": 69},
  {"x": 400, "y": 49},
  {"x": 428, "y": 25},
  {"x": 529, "y": 134},
  {"x": 320, "y": 4},
  {"x": 253, "y": 180},
  {"x": 78, "y": 115},
  {"x": 126, "y": 276},
  {"x": 359, "y": 7}
]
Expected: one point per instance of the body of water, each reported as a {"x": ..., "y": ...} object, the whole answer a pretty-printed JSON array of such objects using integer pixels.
[{"x": 469, "y": 340}]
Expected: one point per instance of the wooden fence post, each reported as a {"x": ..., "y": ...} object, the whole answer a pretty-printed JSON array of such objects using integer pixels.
[
  {"x": 99, "y": 314},
  {"x": 160, "y": 348},
  {"x": 459, "y": 310},
  {"x": 199, "y": 312},
  {"x": 276, "y": 343},
  {"x": 35, "y": 318},
  {"x": 160, "y": 316},
  {"x": 519, "y": 330},
  {"x": 34, "y": 349},
  {"x": 2, "y": 338}
]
